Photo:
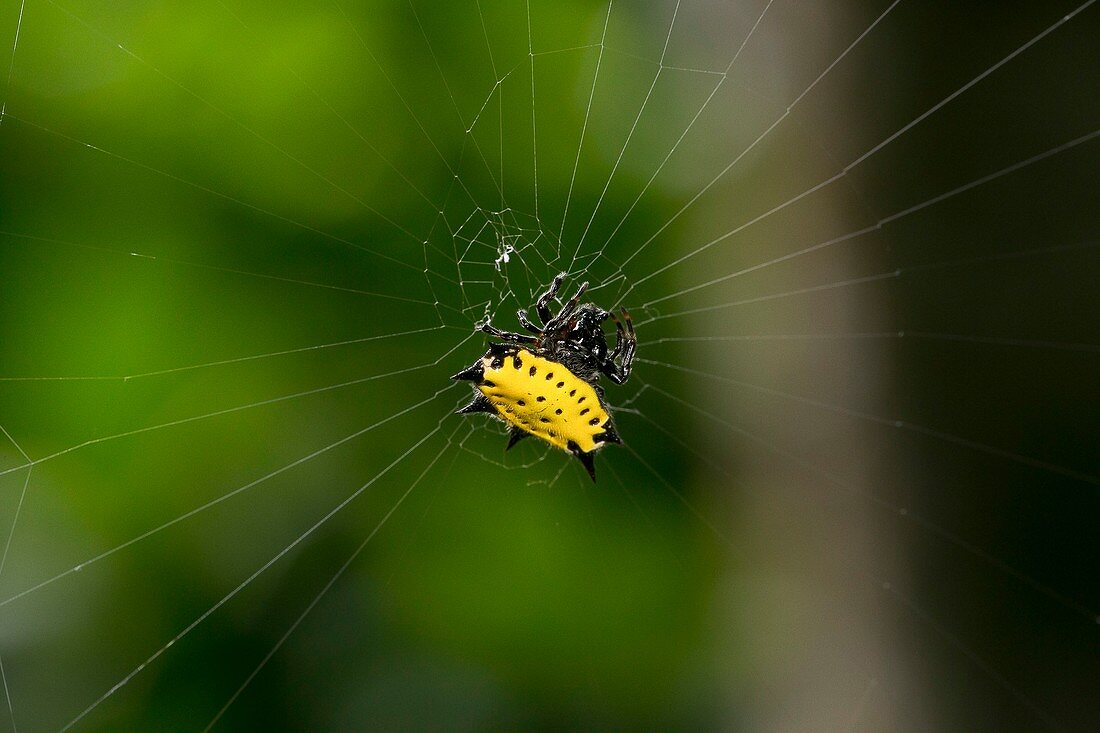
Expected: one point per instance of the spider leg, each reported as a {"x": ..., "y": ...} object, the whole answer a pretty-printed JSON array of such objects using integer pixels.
[
  {"x": 506, "y": 336},
  {"x": 626, "y": 343},
  {"x": 525, "y": 321},
  {"x": 620, "y": 338},
  {"x": 542, "y": 307},
  {"x": 631, "y": 344},
  {"x": 568, "y": 309}
]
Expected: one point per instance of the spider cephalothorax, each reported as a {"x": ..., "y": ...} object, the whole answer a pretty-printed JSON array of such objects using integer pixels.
[{"x": 547, "y": 384}]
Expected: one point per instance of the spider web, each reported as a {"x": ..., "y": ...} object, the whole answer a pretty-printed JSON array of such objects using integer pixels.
[{"x": 857, "y": 476}]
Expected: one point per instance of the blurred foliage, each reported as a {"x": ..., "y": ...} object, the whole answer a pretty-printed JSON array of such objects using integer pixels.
[{"x": 212, "y": 182}]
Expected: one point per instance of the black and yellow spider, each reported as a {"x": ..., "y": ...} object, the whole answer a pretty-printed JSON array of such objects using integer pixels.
[{"x": 547, "y": 384}]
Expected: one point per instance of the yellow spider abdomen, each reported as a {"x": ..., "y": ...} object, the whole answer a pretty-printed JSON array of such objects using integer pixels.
[{"x": 544, "y": 399}]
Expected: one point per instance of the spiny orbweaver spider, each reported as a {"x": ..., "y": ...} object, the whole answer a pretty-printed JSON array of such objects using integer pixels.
[{"x": 547, "y": 384}]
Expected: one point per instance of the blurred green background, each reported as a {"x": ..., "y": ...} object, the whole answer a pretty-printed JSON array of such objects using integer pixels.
[{"x": 242, "y": 247}]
